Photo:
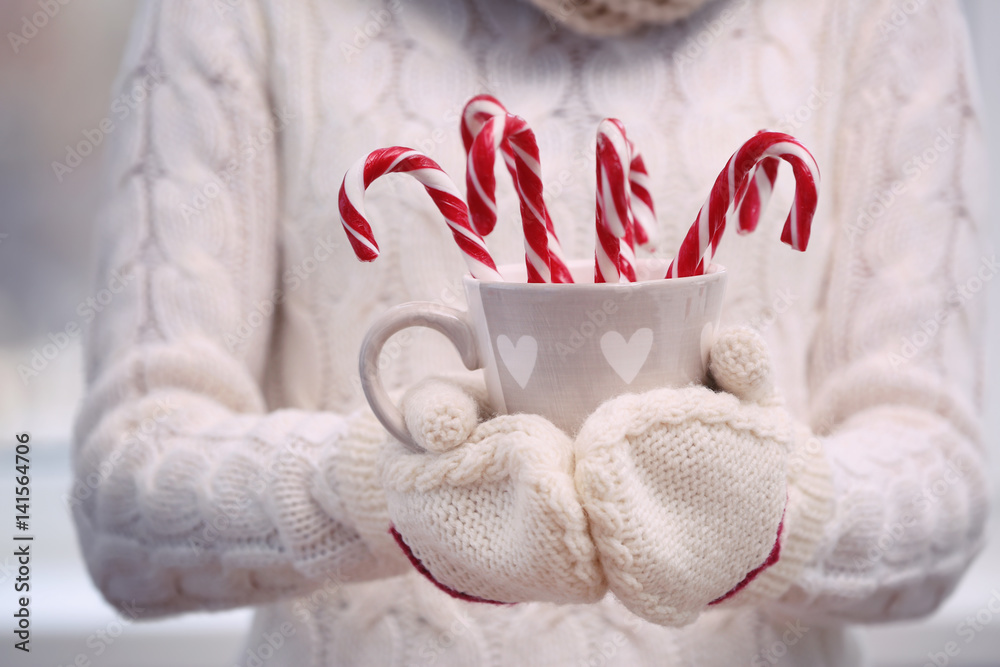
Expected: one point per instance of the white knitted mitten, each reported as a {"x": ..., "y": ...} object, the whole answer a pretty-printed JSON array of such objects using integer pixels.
[
  {"x": 688, "y": 490},
  {"x": 489, "y": 512}
]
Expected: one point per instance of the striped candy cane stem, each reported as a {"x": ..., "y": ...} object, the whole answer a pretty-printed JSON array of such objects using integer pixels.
[
  {"x": 481, "y": 184},
  {"x": 477, "y": 111},
  {"x": 439, "y": 186},
  {"x": 626, "y": 254},
  {"x": 643, "y": 211},
  {"x": 557, "y": 259},
  {"x": 702, "y": 240},
  {"x": 614, "y": 256},
  {"x": 480, "y": 179},
  {"x": 755, "y": 194}
]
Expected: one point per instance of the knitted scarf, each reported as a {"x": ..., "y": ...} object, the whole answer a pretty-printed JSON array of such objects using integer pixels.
[{"x": 615, "y": 17}]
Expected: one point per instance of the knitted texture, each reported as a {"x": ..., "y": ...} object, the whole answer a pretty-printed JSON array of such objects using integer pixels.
[
  {"x": 685, "y": 488},
  {"x": 498, "y": 517},
  {"x": 357, "y": 494},
  {"x": 613, "y": 17},
  {"x": 740, "y": 364},
  {"x": 440, "y": 414},
  {"x": 665, "y": 479},
  {"x": 236, "y": 339}
]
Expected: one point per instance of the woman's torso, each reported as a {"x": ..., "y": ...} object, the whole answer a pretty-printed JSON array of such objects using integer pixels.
[{"x": 361, "y": 75}]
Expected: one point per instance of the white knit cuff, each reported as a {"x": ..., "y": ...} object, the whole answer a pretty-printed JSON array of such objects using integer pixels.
[
  {"x": 353, "y": 473},
  {"x": 809, "y": 508}
]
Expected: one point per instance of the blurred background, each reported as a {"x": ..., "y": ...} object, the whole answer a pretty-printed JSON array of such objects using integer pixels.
[{"x": 54, "y": 89}]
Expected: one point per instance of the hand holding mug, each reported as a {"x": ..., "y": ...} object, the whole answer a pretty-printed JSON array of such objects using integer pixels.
[
  {"x": 510, "y": 509},
  {"x": 551, "y": 354},
  {"x": 560, "y": 350}
]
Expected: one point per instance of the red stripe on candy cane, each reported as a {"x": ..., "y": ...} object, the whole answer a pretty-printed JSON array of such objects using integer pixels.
[
  {"x": 481, "y": 183},
  {"x": 625, "y": 211},
  {"x": 643, "y": 211},
  {"x": 438, "y": 185},
  {"x": 514, "y": 132},
  {"x": 702, "y": 240},
  {"x": 755, "y": 195},
  {"x": 614, "y": 213}
]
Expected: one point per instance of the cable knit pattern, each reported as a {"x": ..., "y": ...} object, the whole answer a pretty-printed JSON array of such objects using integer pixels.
[
  {"x": 221, "y": 456},
  {"x": 685, "y": 490},
  {"x": 497, "y": 518}
]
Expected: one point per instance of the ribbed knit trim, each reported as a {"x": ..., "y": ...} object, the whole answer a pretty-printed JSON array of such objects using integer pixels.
[
  {"x": 810, "y": 507},
  {"x": 356, "y": 476},
  {"x": 771, "y": 559},
  {"x": 422, "y": 569}
]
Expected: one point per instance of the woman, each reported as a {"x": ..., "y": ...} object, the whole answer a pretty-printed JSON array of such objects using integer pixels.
[{"x": 265, "y": 481}]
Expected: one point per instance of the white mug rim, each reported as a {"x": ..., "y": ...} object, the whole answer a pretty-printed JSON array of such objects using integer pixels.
[{"x": 715, "y": 272}]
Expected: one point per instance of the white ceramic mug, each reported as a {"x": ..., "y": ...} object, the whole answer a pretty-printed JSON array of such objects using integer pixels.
[{"x": 560, "y": 350}]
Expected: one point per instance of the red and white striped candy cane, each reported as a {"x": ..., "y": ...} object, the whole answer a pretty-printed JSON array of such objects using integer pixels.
[
  {"x": 755, "y": 194},
  {"x": 643, "y": 211},
  {"x": 438, "y": 185},
  {"x": 703, "y": 238},
  {"x": 481, "y": 187},
  {"x": 613, "y": 255},
  {"x": 480, "y": 179},
  {"x": 626, "y": 254},
  {"x": 481, "y": 184},
  {"x": 641, "y": 218},
  {"x": 477, "y": 111}
]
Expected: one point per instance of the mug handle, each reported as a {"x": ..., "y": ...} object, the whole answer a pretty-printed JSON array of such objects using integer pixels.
[{"x": 452, "y": 323}]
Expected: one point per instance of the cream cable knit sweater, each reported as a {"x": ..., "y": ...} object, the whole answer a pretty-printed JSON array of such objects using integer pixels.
[{"x": 217, "y": 465}]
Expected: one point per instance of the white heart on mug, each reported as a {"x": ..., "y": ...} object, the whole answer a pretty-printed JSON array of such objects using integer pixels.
[
  {"x": 627, "y": 358},
  {"x": 519, "y": 359}
]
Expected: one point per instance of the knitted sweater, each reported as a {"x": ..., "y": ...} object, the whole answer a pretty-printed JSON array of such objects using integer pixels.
[{"x": 218, "y": 463}]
